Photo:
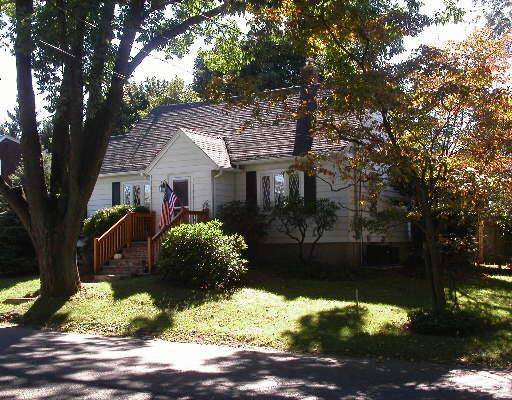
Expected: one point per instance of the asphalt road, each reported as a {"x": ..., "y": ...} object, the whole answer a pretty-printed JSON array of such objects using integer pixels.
[{"x": 50, "y": 365}]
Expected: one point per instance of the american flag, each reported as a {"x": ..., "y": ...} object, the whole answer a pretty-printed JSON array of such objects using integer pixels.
[{"x": 168, "y": 204}]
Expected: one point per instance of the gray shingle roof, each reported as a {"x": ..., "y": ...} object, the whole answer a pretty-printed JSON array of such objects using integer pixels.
[
  {"x": 213, "y": 146},
  {"x": 250, "y": 133}
]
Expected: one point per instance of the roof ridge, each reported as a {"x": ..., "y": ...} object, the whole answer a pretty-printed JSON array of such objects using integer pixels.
[
  {"x": 207, "y": 102},
  {"x": 202, "y": 133},
  {"x": 180, "y": 105}
]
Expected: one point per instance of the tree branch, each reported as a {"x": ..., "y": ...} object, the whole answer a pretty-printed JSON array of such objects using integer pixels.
[
  {"x": 99, "y": 58},
  {"x": 171, "y": 33},
  {"x": 92, "y": 145},
  {"x": 31, "y": 148},
  {"x": 18, "y": 204}
]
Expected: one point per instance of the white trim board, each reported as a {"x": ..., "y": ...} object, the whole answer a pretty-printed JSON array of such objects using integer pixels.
[{"x": 5, "y": 137}]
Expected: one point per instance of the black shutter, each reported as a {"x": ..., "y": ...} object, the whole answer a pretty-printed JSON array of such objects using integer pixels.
[
  {"x": 251, "y": 190},
  {"x": 309, "y": 189},
  {"x": 116, "y": 193}
]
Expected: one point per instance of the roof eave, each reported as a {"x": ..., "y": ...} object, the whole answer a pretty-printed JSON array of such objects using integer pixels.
[
  {"x": 263, "y": 160},
  {"x": 5, "y": 137},
  {"x": 122, "y": 173}
]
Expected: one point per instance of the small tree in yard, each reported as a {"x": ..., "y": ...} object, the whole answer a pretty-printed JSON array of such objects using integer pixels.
[
  {"x": 441, "y": 131},
  {"x": 297, "y": 220},
  {"x": 80, "y": 54},
  {"x": 438, "y": 124}
]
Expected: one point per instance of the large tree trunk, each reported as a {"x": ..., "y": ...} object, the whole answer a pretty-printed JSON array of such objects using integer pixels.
[
  {"x": 433, "y": 265},
  {"x": 55, "y": 244}
]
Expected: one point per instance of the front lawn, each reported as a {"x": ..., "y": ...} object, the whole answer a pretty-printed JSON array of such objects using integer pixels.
[{"x": 314, "y": 316}]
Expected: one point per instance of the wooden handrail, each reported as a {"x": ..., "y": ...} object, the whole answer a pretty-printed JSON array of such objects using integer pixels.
[
  {"x": 115, "y": 226},
  {"x": 185, "y": 216},
  {"x": 131, "y": 227}
]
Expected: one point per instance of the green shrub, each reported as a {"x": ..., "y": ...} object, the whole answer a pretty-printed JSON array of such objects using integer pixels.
[
  {"x": 450, "y": 322},
  {"x": 202, "y": 256},
  {"x": 246, "y": 220},
  {"x": 103, "y": 219},
  {"x": 17, "y": 255}
]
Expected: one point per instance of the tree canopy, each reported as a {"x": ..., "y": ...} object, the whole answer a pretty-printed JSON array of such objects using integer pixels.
[{"x": 263, "y": 58}]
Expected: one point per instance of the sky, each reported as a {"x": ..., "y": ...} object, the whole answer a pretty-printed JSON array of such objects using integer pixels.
[{"x": 184, "y": 67}]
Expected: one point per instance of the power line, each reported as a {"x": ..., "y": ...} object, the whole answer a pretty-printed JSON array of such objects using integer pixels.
[
  {"x": 67, "y": 53},
  {"x": 57, "y": 48},
  {"x": 92, "y": 24}
]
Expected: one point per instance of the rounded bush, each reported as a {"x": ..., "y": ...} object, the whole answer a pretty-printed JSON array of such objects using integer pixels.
[{"x": 202, "y": 256}]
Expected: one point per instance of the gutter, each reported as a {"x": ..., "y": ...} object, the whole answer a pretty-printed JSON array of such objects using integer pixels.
[
  {"x": 220, "y": 172},
  {"x": 107, "y": 175},
  {"x": 265, "y": 160}
]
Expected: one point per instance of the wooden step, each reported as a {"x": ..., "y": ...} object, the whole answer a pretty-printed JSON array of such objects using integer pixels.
[{"x": 133, "y": 262}]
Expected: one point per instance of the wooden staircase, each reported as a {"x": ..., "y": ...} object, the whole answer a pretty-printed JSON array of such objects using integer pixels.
[
  {"x": 132, "y": 262},
  {"x": 130, "y": 247}
]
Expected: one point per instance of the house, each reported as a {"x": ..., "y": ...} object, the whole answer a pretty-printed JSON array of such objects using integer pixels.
[
  {"x": 10, "y": 156},
  {"x": 212, "y": 154}
]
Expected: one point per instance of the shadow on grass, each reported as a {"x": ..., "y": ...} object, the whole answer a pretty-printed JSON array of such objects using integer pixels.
[
  {"x": 43, "y": 313},
  {"x": 341, "y": 331},
  {"x": 165, "y": 296},
  {"x": 150, "y": 327},
  {"x": 485, "y": 295},
  {"x": 324, "y": 330},
  {"x": 384, "y": 287},
  {"x": 9, "y": 282}
]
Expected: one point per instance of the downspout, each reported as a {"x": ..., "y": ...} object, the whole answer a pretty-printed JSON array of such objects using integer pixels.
[{"x": 150, "y": 192}]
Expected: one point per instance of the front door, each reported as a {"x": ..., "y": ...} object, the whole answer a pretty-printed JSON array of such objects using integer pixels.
[{"x": 181, "y": 187}]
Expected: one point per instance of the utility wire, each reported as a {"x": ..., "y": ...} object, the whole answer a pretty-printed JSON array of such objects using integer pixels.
[{"x": 93, "y": 25}]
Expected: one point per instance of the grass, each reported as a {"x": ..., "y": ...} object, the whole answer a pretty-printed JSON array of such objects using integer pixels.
[{"x": 287, "y": 314}]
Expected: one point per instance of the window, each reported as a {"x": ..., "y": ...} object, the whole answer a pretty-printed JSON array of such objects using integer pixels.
[
  {"x": 132, "y": 194},
  {"x": 276, "y": 185},
  {"x": 116, "y": 193},
  {"x": 136, "y": 195},
  {"x": 127, "y": 194},
  {"x": 294, "y": 185},
  {"x": 147, "y": 195}
]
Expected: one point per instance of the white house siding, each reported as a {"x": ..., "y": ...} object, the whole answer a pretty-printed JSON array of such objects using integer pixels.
[
  {"x": 102, "y": 194},
  {"x": 240, "y": 186},
  {"x": 183, "y": 159},
  {"x": 342, "y": 231},
  {"x": 225, "y": 189}
]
